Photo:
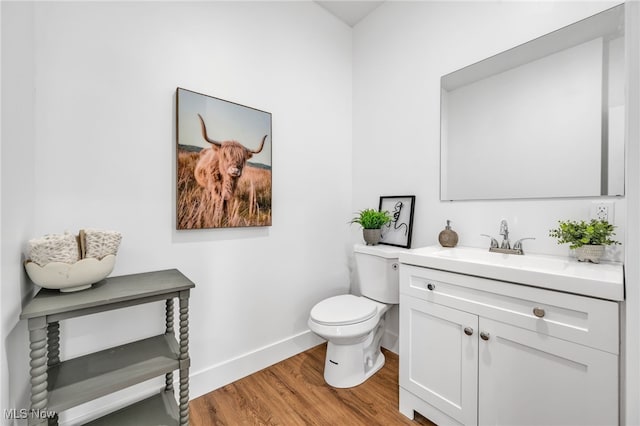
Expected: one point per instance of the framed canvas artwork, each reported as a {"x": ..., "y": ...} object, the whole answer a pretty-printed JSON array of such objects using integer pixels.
[{"x": 223, "y": 170}]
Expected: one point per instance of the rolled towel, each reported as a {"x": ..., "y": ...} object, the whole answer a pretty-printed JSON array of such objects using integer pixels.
[
  {"x": 99, "y": 243},
  {"x": 54, "y": 248}
]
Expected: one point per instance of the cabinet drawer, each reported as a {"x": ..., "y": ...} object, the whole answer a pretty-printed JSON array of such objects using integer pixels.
[{"x": 584, "y": 320}]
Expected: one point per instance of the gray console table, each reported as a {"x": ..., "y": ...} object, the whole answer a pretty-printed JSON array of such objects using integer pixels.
[{"x": 58, "y": 385}]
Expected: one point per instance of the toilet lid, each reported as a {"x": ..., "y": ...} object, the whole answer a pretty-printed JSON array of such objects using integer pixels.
[{"x": 343, "y": 310}]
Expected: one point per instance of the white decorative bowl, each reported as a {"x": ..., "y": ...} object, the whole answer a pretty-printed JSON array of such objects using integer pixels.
[{"x": 68, "y": 277}]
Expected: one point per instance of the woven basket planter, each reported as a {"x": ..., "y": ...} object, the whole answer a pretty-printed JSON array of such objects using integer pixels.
[{"x": 590, "y": 253}]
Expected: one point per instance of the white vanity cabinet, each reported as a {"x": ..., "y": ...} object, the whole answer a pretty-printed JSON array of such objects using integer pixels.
[{"x": 483, "y": 351}]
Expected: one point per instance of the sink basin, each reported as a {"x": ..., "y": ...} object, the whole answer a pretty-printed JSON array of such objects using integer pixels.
[{"x": 604, "y": 280}]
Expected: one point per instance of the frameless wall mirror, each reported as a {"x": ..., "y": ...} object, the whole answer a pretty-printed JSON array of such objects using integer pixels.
[{"x": 544, "y": 119}]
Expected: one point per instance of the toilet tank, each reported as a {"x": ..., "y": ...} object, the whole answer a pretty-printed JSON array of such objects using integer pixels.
[{"x": 378, "y": 272}]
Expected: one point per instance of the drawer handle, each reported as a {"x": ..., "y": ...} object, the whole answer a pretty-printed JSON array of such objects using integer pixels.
[
  {"x": 484, "y": 335},
  {"x": 468, "y": 331},
  {"x": 431, "y": 286},
  {"x": 539, "y": 312}
]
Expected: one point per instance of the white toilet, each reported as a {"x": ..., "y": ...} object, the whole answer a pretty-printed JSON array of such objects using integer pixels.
[{"x": 353, "y": 325}]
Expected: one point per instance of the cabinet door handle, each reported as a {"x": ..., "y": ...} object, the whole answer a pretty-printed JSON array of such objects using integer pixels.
[
  {"x": 468, "y": 331},
  {"x": 484, "y": 335},
  {"x": 431, "y": 286},
  {"x": 539, "y": 312}
]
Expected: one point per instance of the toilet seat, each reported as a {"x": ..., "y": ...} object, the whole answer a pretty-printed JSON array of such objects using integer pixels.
[{"x": 345, "y": 309}]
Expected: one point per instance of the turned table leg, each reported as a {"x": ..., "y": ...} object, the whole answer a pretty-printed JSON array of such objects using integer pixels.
[
  {"x": 53, "y": 354},
  {"x": 184, "y": 358},
  {"x": 38, "y": 354},
  {"x": 53, "y": 343},
  {"x": 168, "y": 378}
]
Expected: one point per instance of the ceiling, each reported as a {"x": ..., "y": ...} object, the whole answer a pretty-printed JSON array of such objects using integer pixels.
[{"x": 350, "y": 12}]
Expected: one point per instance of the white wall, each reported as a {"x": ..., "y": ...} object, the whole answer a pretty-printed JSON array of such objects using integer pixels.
[{"x": 102, "y": 152}]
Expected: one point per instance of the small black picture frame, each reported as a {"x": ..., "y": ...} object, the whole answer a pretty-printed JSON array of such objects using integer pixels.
[{"x": 398, "y": 231}]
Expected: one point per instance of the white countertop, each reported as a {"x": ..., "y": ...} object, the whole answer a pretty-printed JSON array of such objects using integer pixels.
[{"x": 604, "y": 280}]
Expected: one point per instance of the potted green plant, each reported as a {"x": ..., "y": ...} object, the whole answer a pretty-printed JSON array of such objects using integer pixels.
[
  {"x": 372, "y": 221},
  {"x": 587, "y": 238}
]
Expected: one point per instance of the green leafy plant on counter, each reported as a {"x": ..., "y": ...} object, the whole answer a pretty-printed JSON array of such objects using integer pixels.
[
  {"x": 371, "y": 219},
  {"x": 578, "y": 234}
]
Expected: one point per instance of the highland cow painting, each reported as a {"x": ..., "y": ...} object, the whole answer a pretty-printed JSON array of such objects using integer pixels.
[{"x": 223, "y": 169}]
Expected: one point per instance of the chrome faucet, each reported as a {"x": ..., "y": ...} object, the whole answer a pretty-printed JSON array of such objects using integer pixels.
[
  {"x": 504, "y": 231},
  {"x": 505, "y": 246}
]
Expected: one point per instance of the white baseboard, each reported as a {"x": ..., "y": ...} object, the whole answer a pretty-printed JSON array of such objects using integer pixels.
[
  {"x": 390, "y": 341},
  {"x": 200, "y": 382},
  {"x": 216, "y": 376}
]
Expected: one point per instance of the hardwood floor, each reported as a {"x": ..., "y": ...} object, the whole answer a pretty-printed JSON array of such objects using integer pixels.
[{"x": 293, "y": 392}]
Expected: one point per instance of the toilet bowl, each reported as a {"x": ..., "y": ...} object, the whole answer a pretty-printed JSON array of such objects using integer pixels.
[{"x": 354, "y": 325}]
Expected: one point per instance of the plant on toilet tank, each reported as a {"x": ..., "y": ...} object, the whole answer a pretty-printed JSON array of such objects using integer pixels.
[
  {"x": 372, "y": 222},
  {"x": 587, "y": 238}
]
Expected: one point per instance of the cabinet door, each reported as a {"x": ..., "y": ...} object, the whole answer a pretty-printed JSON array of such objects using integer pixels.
[
  {"x": 439, "y": 361},
  {"x": 527, "y": 378}
]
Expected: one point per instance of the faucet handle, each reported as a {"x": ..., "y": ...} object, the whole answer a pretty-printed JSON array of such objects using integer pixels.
[
  {"x": 518, "y": 244},
  {"x": 494, "y": 242}
]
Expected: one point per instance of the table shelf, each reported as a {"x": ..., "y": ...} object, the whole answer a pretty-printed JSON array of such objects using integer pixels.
[
  {"x": 82, "y": 379},
  {"x": 160, "y": 409}
]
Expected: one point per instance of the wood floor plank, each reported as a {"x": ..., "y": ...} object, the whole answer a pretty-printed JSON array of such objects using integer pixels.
[{"x": 293, "y": 392}]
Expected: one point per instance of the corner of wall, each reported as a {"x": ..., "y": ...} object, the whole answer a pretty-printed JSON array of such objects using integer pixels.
[{"x": 17, "y": 180}]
